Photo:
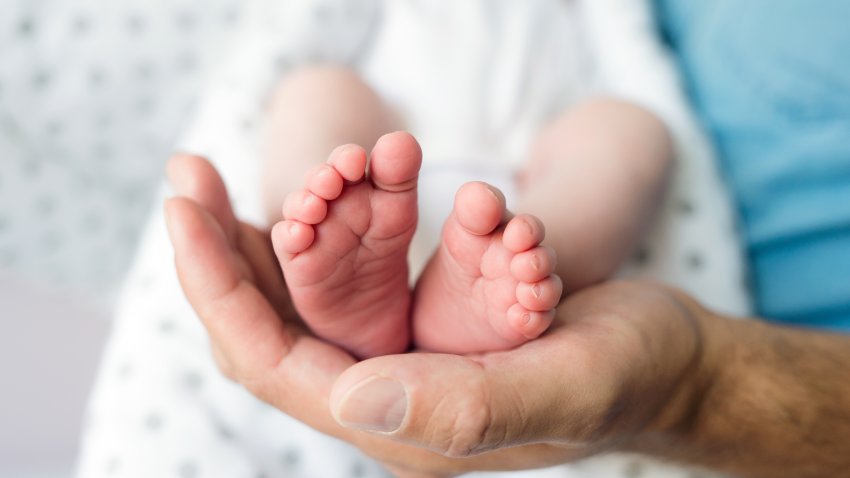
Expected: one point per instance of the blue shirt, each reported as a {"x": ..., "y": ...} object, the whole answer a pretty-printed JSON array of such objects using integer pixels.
[{"x": 771, "y": 81}]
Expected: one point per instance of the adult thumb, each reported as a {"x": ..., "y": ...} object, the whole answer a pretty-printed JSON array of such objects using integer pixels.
[{"x": 448, "y": 404}]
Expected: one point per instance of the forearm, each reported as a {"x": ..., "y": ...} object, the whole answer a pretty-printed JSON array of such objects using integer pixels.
[
  {"x": 596, "y": 177},
  {"x": 769, "y": 402}
]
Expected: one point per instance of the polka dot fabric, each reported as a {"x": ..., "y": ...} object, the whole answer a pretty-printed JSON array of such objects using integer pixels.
[
  {"x": 92, "y": 98},
  {"x": 160, "y": 407}
]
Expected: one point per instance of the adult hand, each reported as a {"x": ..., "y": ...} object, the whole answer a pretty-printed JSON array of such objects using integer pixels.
[{"x": 618, "y": 368}]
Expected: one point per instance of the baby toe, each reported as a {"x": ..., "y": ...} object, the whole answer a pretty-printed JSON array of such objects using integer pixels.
[
  {"x": 540, "y": 296},
  {"x": 396, "y": 159},
  {"x": 324, "y": 181},
  {"x": 534, "y": 265},
  {"x": 291, "y": 237},
  {"x": 523, "y": 232},
  {"x": 529, "y": 323},
  {"x": 479, "y": 207},
  {"x": 305, "y": 206},
  {"x": 350, "y": 162}
]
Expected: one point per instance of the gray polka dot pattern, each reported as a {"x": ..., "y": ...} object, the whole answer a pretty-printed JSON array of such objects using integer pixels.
[
  {"x": 358, "y": 470},
  {"x": 290, "y": 458},
  {"x": 225, "y": 433},
  {"x": 160, "y": 400},
  {"x": 154, "y": 422},
  {"x": 91, "y": 104},
  {"x": 193, "y": 380},
  {"x": 125, "y": 370},
  {"x": 187, "y": 469},
  {"x": 113, "y": 465}
]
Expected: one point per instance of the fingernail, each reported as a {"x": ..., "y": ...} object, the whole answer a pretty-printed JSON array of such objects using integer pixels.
[{"x": 377, "y": 404}]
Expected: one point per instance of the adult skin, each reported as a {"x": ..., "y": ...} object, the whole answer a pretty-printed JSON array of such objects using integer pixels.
[{"x": 627, "y": 366}]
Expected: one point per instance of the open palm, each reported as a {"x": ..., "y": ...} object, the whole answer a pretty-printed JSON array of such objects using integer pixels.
[{"x": 604, "y": 372}]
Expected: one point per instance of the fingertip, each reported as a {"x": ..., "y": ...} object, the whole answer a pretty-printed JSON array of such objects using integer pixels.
[
  {"x": 173, "y": 170},
  {"x": 182, "y": 215},
  {"x": 202, "y": 254},
  {"x": 170, "y": 207},
  {"x": 187, "y": 173},
  {"x": 377, "y": 404},
  {"x": 196, "y": 178}
]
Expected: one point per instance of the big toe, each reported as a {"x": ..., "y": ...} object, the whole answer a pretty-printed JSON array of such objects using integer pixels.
[
  {"x": 479, "y": 207},
  {"x": 395, "y": 162}
]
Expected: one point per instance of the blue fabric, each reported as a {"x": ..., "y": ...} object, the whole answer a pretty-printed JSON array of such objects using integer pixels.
[{"x": 771, "y": 80}]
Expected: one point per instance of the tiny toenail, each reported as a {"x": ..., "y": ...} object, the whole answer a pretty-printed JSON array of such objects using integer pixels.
[
  {"x": 535, "y": 262},
  {"x": 324, "y": 171},
  {"x": 528, "y": 227},
  {"x": 290, "y": 228},
  {"x": 535, "y": 291},
  {"x": 526, "y": 318},
  {"x": 308, "y": 198}
]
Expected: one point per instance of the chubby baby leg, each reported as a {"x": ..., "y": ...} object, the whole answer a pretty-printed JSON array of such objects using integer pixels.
[{"x": 312, "y": 111}]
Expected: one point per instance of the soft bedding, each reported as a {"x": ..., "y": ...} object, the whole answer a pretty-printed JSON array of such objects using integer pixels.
[{"x": 161, "y": 408}]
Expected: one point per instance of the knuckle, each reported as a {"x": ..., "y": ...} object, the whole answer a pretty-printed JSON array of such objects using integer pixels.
[
  {"x": 471, "y": 429},
  {"x": 466, "y": 433}
]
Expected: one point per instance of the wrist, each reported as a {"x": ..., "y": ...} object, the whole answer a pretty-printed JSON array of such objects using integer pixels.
[{"x": 676, "y": 422}]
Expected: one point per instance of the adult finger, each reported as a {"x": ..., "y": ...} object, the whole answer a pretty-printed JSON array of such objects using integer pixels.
[
  {"x": 238, "y": 318},
  {"x": 459, "y": 406},
  {"x": 278, "y": 363},
  {"x": 195, "y": 178}
]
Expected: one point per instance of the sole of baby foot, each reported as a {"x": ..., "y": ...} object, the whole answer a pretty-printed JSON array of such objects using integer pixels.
[
  {"x": 343, "y": 245},
  {"x": 490, "y": 285}
]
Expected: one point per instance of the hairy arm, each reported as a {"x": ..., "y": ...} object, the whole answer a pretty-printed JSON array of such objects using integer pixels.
[
  {"x": 596, "y": 177},
  {"x": 770, "y": 401},
  {"x": 742, "y": 397}
]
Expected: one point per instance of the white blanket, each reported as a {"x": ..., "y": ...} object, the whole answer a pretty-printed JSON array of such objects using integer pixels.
[{"x": 161, "y": 408}]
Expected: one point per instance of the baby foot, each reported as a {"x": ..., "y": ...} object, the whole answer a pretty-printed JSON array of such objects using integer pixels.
[
  {"x": 490, "y": 285},
  {"x": 343, "y": 246}
]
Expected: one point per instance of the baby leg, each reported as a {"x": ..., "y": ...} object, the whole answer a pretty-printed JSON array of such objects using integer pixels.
[
  {"x": 312, "y": 111},
  {"x": 595, "y": 177}
]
